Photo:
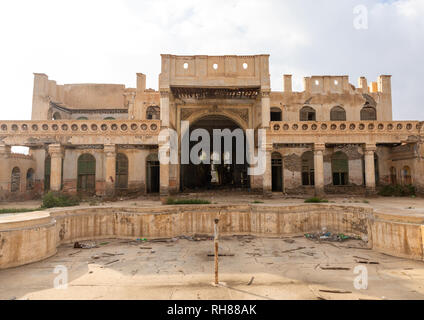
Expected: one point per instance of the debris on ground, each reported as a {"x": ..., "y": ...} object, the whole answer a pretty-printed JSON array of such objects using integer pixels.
[
  {"x": 167, "y": 240},
  {"x": 146, "y": 248},
  {"x": 334, "y": 268},
  {"x": 329, "y": 236},
  {"x": 251, "y": 281},
  {"x": 85, "y": 245},
  {"x": 334, "y": 291},
  {"x": 221, "y": 254},
  {"x": 289, "y": 241},
  {"x": 110, "y": 262},
  {"x": 367, "y": 262},
  {"x": 292, "y": 250},
  {"x": 74, "y": 253}
]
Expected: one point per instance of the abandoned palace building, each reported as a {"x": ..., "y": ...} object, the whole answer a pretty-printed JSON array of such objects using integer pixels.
[{"x": 103, "y": 139}]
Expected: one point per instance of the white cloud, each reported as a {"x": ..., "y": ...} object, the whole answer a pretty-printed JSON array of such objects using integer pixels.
[{"x": 109, "y": 41}]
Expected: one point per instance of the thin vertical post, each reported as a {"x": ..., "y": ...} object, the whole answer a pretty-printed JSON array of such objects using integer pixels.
[{"x": 216, "y": 250}]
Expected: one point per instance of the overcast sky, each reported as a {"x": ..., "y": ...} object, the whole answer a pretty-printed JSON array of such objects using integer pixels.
[{"x": 109, "y": 41}]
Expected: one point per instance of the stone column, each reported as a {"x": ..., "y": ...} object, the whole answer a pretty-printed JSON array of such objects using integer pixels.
[
  {"x": 369, "y": 168},
  {"x": 164, "y": 108},
  {"x": 266, "y": 109},
  {"x": 5, "y": 171},
  {"x": 110, "y": 176},
  {"x": 267, "y": 177},
  {"x": 56, "y": 153},
  {"x": 164, "y": 170},
  {"x": 319, "y": 149}
]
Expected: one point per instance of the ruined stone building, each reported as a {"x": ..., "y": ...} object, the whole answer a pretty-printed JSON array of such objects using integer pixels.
[{"x": 103, "y": 139}]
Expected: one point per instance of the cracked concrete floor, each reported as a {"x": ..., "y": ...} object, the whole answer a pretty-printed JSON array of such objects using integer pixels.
[{"x": 254, "y": 268}]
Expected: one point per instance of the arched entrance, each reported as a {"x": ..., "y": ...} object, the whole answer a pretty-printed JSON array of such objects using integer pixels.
[
  {"x": 277, "y": 172},
  {"x": 217, "y": 169},
  {"x": 152, "y": 173}
]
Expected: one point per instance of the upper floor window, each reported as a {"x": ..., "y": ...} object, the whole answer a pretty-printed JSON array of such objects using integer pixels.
[
  {"x": 153, "y": 113},
  {"x": 276, "y": 114},
  {"x": 307, "y": 114},
  {"x": 368, "y": 113},
  {"x": 56, "y": 116},
  {"x": 338, "y": 114}
]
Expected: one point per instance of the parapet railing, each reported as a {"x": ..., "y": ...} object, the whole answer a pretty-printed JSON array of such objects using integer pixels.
[
  {"x": 340, "y": 127},
  {"x": 80, "y": 127}
]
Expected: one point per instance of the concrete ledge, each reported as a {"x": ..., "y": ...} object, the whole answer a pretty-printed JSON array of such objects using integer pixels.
[{"x": 30, "y": 237}]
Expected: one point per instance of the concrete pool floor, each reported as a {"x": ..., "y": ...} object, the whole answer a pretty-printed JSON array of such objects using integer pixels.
[{"x": 254, "y": 268}]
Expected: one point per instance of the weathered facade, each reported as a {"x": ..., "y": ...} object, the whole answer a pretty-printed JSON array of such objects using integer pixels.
[{"x": 102, "y": 139}]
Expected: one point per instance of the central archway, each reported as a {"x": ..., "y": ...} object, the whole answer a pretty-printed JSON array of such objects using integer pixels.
[{"x": 215, "y": 174}]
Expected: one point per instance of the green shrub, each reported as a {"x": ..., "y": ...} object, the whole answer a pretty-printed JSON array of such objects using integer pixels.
[
  {"x": 171, "y": 201},
  {"x": 56, "y": 199},
  {"x": 397, "y": 191},
  {"x": 316, "y": 200}
]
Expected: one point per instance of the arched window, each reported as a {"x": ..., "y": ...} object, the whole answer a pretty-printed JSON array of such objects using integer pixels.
[
  {"x": 338, "y": 114},
  {"x": 152, "y": 174},
  {"x": 82, "y": 118},
  {"x": 406, "y": 176},
  {"x": 368, "y": 113},
  {"x": 277, "y": 172},
  {"x": 393, "y": 176},
  {"x": 121, "y": 181},
  {"x": 276, "y": 114},
  {"x": 56, "y": 116},
  {"x": 153, "y": 113},
  {"x": 307, "y": 114},
  {"x": 308, "y": 177},
  {"x": 30, "y": 178},
  {"x": 15, "y": 181},
  {"x": 340, "y": 169},
  {"x": 86, "y": 174},
  {"x": 109, "y": 118}
]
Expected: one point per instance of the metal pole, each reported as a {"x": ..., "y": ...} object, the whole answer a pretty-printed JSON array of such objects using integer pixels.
[{"x": 216, "y": 251}]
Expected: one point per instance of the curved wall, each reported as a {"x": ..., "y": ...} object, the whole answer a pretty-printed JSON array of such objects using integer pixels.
[{"x": 25, "y": 238}]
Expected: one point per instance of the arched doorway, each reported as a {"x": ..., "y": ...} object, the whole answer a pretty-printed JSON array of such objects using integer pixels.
[
  {"x": 121, "y": 178},
  {"x": 340, "y": 169},
  {"x": 152, "y": 173},
  {"x": 308, "y": 175},
  {"x": 277, "y": 172},
  {"x": 15, "y": 181},
  {"x": 217, "y": 169},
  {"x": 47, "y": 171},
  {"x": 86, "y": 174}
]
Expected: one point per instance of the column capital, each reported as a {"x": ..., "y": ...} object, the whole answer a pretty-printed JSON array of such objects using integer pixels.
[
  {"x": 56, "y": 150},
  {"x": 109, "y": 150},
  {"x": 164, "y": 93},
  {"x": 265, "y": 93},
  {"x": 370, "y": 147},
  {"x": 319, "y": 147}
]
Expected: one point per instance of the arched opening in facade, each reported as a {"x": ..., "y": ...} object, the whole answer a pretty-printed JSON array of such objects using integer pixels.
[
  {"x": 338, "y": 114},
  {"x": 277, "y": 172},
  {"x": 30, "y": 179},
  {"x": 307, "y": 114},
  {"x": 152, "y": 173},
  {"x": 82, "y": 118},
  {"x": 15, "y": 181},
  {"x": 308, "y": 174},
  {"x": 153, "y": 113},
  {"x": 368, "y": 113},
  {"x": 276, "y": 114},
  {"x": 121, "y": 179},
  {"x": 406, "y": 176},
  {"x": 47, "y": 172},
  {"x": 56, "y": 116},
  {"x": 222, "y": 171},
  {"x": 86, "y": 183},
  {"x": 340, "y": 169},
  {"x": 109, "y": 118},
  {"x": 393, "y": 176}
]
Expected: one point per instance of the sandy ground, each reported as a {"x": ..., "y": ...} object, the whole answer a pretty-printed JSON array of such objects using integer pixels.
[{"x": 255, "y": 268}]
